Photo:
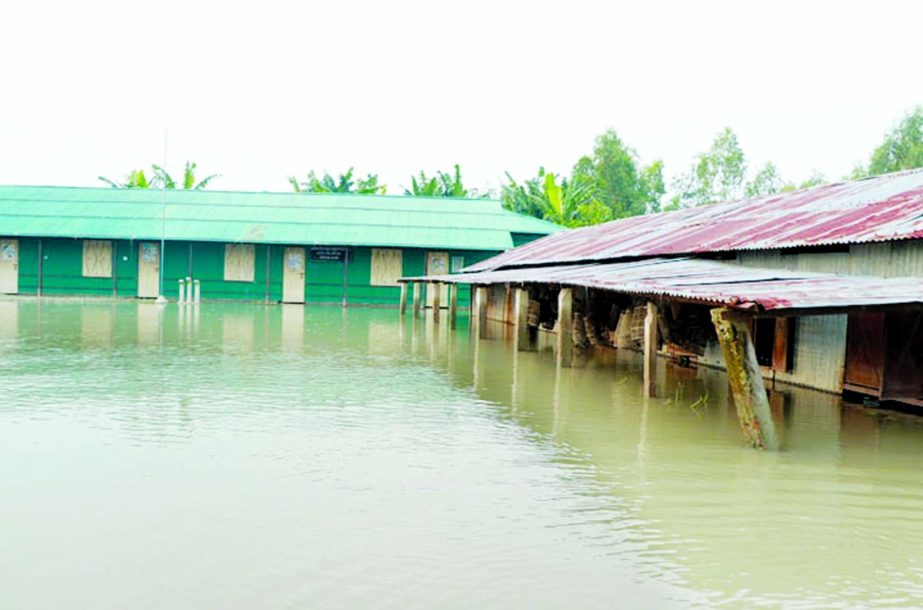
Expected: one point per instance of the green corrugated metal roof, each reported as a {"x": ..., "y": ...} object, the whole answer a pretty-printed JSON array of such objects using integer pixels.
[{"x": 278, "y": 218}]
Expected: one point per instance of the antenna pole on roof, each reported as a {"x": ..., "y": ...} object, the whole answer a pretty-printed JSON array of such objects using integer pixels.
[{"x": 163, "y": 217}]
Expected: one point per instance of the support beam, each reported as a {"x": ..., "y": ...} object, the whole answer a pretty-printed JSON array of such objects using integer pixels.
[
  {"x": 753, "y": 409},
  {"x": 436, "y": 287},
  {"x": 650, "y": 347},
  {"x": 565, "y": 326},
  {"x": 403, "y": 298},
  {"x": 521, "y": 319},
  {"x": 480, "y": 311},
  {"x": 416, "y": 300},
  {"x": 453, "y": 305}
]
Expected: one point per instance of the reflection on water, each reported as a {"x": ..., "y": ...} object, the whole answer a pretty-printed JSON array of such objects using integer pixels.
[{"x": 242, "y": 456}]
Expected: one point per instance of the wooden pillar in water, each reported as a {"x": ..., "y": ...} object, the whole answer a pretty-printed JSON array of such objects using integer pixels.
[
  {"x": 521, "y": 319},
  {"x": 453, "y": 305},
  {"x": 436, "y": 287},
  {"x": 565, "y": 326},
  {"x": 416, "y": 299},
  {"x": 480, "y": 311},
  {"x": 753, "y": 409},
  {"x": 650, "y": 347},
  {"x": 403, "y": 298}
]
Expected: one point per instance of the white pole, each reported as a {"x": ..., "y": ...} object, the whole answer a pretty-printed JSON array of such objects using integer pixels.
[
  {"x": 182, "y": 291},
  {"x": 163, "y": 215},
  {"x": 198, "y": 291}
]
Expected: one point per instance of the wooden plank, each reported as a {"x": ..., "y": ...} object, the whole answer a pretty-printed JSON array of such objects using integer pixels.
[
  {"x": 436, "y": 288},
  {"x": 865, "y": 352},
  {"x": 781, "y": 348},
  {"x": 521, "y": 319},
  {"x": 903, "y": 366},
  {"x": 753, "y": 410},
  {"x": 480, "y": 311},
  {"x": 565, "y": 327},
  {"x": 416, "y": 300},
  {"x": 453, "y": 305},
  {"x": 650, "y": 347}
]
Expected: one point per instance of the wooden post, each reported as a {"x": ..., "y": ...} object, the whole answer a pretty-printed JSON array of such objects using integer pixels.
[
  {"x": 436, "y": 287},
  {"x": 650, "y": 347},
  {"x": 753, "y": 409},
  {"x": 565, "y": 326},
  {"x": 453, "y": 305},
  {"x": 403, "y": 298},
  {"x": 480, "y": 311},
  {"x": 521, "y": 319},
  {"x": 416, "y": 300}
]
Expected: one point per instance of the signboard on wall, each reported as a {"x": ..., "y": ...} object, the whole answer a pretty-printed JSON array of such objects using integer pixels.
[{"x": 336, "y": 254}]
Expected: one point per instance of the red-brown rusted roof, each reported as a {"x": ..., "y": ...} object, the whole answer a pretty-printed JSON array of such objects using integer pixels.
[
  {"x": 883, "y": 208},
  {"x": 713, "y": 283}
]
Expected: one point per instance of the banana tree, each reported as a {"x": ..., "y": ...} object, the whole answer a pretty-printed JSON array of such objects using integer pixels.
[
  {"x": 342, "y": 184},
  {"x": 570, "y": 203},
  {"x": 443, "y": 184},
  {"x": 160, "y": 179},
  {"x": 189, "y": 181}
]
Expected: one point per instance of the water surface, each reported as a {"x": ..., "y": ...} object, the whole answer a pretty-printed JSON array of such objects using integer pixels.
[{"x": 281, "y": 457}]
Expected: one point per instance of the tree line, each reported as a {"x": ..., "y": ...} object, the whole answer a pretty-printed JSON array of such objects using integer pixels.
[{"x": 610, "y": 183}]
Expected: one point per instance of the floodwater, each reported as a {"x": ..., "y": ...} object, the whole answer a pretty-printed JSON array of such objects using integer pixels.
[{"x": 244, "y": 456}]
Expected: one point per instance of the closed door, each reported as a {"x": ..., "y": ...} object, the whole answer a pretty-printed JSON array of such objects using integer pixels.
[
  {"x": 437, "y": 263},
  {"x": 865, "y": 352},
  {"x": 148, "y": 270},
  {"x": 9, "y": 266},
  {"x": 293, "y": 276}
]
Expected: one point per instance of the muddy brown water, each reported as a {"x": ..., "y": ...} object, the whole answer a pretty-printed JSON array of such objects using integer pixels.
[{"x": 245, "y": 456}]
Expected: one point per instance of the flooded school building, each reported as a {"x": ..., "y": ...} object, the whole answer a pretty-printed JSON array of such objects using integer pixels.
[
  {"x": 271, "y": 247},
  {"x": 820, "y": 288}
]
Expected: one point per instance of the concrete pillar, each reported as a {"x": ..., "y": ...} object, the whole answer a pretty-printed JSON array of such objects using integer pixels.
[
  {"x": 453, "y": 305},
  {"x": 650, "y": 347},
  {"x": 416, "y": 300},
  {"x": 480, "y": 311},
  {"x": 753, "y": 409},
  {"x": 436, "y": 287},
  {"x": 565, "y": 326},
  {"x": 403, "y": 298},
  {"x": 521, "y": 319}
]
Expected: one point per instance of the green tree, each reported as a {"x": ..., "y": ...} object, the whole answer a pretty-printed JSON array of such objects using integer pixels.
[
  {"x": 815, "y": 179},
  {"x": 613, "y": 173},
  {"x": 160, "y": 179},
  {"x": 717, "y": 174},
  {"x": 344, "y": 183},
  {"x": 568, "y": 203},
  {"x": 902, "y": 148},
  {"x": 443, "y": 184},
  {"x": 766, "y": 182}
]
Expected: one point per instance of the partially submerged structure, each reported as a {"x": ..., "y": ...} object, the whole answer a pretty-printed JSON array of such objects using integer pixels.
[
  {"x": 289, "y": 247},
  {"x": 821, "y": 288}
]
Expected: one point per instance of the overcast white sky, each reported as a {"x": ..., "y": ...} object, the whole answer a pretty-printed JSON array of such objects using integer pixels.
[{"x": 262, "y": 90}]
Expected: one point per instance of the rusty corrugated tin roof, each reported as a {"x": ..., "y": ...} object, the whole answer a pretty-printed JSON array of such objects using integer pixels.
[
  {"x": 883, "y": 208},
  {"x": 714, "y": 283}
]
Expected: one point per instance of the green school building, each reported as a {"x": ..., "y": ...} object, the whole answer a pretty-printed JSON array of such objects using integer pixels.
[{"x": 270, "y": 247}]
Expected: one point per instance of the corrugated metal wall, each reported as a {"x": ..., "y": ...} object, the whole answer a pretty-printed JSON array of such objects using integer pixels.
[
  {"x": 820, "y": 354},
  {"x": 820, "y": 348},
  {"x": 889, "y": 259}
]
